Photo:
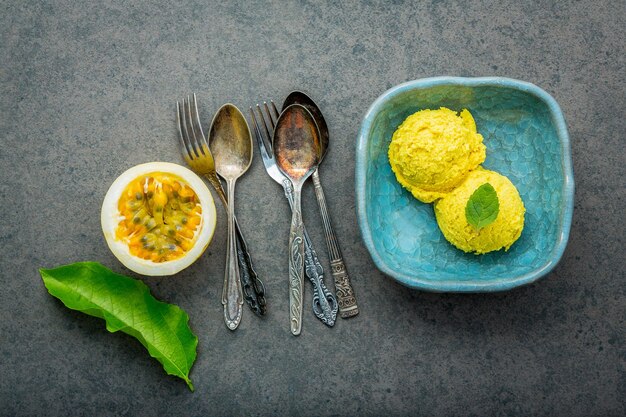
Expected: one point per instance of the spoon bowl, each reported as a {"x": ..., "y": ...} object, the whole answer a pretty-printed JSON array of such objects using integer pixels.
[
  {"x": 296, "y": 143},
  {"x": 298, "y": 97},
  {"x": 230, "y": 142}
]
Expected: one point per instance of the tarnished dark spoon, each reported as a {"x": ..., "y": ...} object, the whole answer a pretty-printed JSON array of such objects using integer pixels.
[{"x": 296, "y": 150}]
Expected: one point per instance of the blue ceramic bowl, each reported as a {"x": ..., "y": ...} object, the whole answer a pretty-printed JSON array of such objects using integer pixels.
[{"x": 526, "y": 139}]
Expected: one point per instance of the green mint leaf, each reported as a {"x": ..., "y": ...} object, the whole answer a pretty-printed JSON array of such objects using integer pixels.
[
  {"x": 127, "y": 305},
  {"x": 483, "y": 206}
]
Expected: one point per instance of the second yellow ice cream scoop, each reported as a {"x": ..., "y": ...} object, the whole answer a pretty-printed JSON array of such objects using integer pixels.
[{"x": 499, "y": 234}]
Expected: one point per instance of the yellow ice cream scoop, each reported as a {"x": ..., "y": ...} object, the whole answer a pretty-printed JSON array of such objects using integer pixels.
[
  {"x": 433, "y": 151},
  {"x": 452, "y": 214}
]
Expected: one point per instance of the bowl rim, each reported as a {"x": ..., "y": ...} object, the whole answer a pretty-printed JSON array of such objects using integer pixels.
[{"x": 419, "y": 281}]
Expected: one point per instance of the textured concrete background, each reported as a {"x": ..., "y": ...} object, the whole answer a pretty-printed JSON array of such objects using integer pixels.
[{"x": 89, "y": 91}]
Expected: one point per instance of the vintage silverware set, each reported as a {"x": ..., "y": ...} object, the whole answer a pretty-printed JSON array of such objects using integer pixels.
[{"x": 292, "y": 144}]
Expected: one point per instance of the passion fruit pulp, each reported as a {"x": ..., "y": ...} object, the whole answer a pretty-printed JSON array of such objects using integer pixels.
[{"x": 158, "y": 218}]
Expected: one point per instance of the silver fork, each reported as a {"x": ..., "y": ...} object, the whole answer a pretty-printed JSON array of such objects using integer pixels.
[
  {"x": 325, "y": 304},
  {"x": 197, "y": 154}
]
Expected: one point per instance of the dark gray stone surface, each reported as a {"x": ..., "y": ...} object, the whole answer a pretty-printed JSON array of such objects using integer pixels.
[{"x": 89, "y": 91}]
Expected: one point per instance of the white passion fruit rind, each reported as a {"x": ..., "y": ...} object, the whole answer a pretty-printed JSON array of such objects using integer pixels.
[{"x": 158, "y": 218}]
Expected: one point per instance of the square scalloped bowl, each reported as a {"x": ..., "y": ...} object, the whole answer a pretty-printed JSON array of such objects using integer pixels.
[{"x": 526, "y": 139}]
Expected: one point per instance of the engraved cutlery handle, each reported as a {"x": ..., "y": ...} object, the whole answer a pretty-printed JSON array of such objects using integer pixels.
[
  {"x": 232, "y": 297},
  {"x": 345, "y": 294},
  {"x": 252, "y": 287},
  {"x": 296, "y": 266},
  {"x": 324, "y": 302}
]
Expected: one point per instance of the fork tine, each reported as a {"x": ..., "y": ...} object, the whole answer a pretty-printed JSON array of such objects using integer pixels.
[
  {"x": 259, "y": 137},
  {"x": 193, "y": 138},
  {"x": 267, "y": 130},
  {"x": 189, "y": 142},
  {"x": 204, "y": 146},
  {"x": 181, "y": 136},
  {"x": 276, "y": 112},
  {"x": 269, "y": 115},
  {"x": 273, "y": 118}
]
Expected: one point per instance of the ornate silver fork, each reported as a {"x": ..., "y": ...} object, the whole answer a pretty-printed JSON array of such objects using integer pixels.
[
  {"x": 197, "y": 154},
  {"x": 325, "y": 304}
]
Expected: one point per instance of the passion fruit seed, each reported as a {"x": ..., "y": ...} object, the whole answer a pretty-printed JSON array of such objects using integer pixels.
[{"x": 161, "y": 217}]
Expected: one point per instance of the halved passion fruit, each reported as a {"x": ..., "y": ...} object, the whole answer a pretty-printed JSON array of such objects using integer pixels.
[{"x": 158, "y": 218}]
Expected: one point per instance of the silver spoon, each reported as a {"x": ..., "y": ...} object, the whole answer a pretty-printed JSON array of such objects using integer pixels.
[
  {"x": 345, "y": 294},
  {"x": 296, "y": 150},
  {"x": 231, "y": 145}
]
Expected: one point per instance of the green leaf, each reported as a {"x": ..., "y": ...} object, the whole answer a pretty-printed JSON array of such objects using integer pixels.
[
  {"x": 127, "y": 305},
  {"x": 482, "y": 207}
]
